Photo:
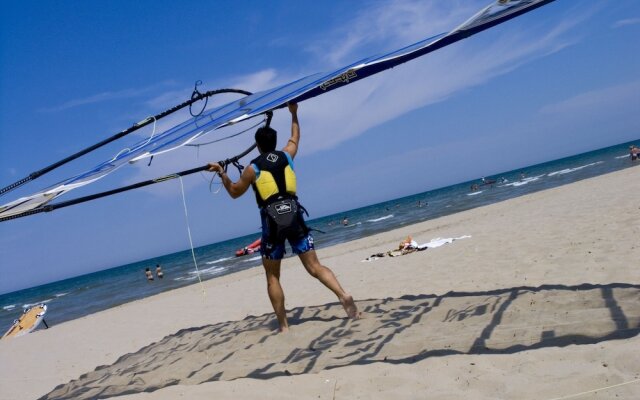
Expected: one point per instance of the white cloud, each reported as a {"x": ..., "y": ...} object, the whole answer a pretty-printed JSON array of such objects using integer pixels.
[
  {"x": 257, "y": 81},
  {"x": 605, "y": 101},
  {"x": 385, "y": 26},
  {"x": 626, "y": 22},
  {"x": 107, "y": 96}
]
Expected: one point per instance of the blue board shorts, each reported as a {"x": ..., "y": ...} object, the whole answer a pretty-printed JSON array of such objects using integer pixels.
[{"x": 276, "y": 250}]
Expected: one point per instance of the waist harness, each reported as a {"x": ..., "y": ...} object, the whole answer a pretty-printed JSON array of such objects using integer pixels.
[{"x": 284, "y": 220}]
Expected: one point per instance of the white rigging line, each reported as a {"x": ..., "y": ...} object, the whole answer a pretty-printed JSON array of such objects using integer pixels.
[
  {"x": 193, "y": 254},
  {"x": 596, "y": 390},
  {"x": 128, "y": 149}
]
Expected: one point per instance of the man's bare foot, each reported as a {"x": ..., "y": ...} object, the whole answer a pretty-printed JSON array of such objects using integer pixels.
[
  {"x": 350, "y": 307},
  {"x": 283, "y": 329}
]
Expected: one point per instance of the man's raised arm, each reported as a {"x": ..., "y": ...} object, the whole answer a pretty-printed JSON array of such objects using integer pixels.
[{"x": 292, "y": 144}]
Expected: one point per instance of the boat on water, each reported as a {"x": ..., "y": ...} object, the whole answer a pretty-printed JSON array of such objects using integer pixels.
[
  {"x": 487, "y": 182},
  {"x": 249, "y": 249}
]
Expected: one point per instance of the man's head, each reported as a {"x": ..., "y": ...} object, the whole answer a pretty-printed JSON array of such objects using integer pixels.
[{"x": 266, "y": 139}]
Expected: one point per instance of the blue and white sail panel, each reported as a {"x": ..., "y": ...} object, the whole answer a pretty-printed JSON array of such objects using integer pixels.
[
  {"x": 320, "y": 83},
  {"x": 261, "y": 102}
]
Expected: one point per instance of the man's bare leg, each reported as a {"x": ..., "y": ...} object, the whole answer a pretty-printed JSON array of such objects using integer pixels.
[
  {"x": 276, "y": 294},
  {"x": 325, "y": 275}
]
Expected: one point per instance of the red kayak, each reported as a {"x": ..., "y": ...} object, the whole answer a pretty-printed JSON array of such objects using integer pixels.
[{"x": 250, "y": 249}]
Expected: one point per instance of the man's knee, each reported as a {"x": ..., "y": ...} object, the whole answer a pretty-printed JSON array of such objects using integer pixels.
[
  {"x": 315, "y": 269},
  {"x": 272, "y": 278}
]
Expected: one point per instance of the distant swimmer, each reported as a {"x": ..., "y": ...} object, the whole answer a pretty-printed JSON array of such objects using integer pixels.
[
  {"x": 273, "y": 179},
  {"x": 148, "y": 273},
  {"x": 634, "y": 152},
  {"x": 488, "y": 181},
  {"x": 345, "y": 221},
  {"x": 159, "y": 272}
]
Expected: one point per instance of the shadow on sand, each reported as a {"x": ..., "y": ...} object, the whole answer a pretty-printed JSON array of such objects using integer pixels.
[{"x": 403, "y": 330}]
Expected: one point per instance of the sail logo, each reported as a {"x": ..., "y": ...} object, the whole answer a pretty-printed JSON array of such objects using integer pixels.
[
  {"x": 345, "y": 78},
  {"x": 272, "y": 157}
]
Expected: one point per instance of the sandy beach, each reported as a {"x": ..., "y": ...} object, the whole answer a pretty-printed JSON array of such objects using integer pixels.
[{"x": 542, "y": 301}]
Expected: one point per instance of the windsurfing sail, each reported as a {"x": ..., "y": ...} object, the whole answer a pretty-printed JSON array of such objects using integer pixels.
[
  {"x": 259, "y": 103},
  {"x": 51, "y": 207},
  {"x": 195, "y": 97}
]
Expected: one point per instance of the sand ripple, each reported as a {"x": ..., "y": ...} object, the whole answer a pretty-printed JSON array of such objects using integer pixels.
[{"x": 402, "y": 330}]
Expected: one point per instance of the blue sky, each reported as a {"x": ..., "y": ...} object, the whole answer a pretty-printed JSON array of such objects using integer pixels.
[{"x": 561, "y": 80}]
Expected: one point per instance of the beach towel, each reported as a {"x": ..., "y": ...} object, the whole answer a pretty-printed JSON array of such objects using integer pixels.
[{"x": 413, "y": 247}]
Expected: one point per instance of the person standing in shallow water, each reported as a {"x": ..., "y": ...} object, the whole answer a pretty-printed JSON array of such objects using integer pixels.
[
  {"x": 634, "y": 152},
  {"x": 159, "y": 272},
  {"x": 273, "y": 180}
]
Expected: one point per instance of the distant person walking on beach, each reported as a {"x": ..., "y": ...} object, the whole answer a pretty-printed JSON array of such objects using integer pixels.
[
  {"x": 148, "y": 273},
  {"x": 273, "y": 180},
  {"x": 159, "y": 272}
]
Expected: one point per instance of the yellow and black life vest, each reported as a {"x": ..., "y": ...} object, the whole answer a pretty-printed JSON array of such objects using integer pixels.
[{"x": 275, "y": 178}]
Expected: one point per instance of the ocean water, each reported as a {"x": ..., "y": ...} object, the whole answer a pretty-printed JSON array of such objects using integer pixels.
[{"x": 79, "y": 296}]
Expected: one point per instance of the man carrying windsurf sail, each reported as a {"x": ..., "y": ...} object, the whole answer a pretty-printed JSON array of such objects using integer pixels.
[{"x": 272, "y": 177}]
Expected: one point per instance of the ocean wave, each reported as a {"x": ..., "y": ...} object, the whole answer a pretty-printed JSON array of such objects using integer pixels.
[
  {"x": 473, "y": 194},
  {"x": 569, "y": 170},
  {"x": 29, "y": 305},
  {"x": 208, "y": 271},
  {"x": 61, "y": 294},
  {"x": 524, "y": 181},
  {"x": 218, "y": 260},
  {"x": 185, "y": 278},
  {"x": 9, "y": 307},
  {"x": 381, "y": 218},
  {"x": 624, "y": 156},
  {"x": 252, "y": 259}
]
